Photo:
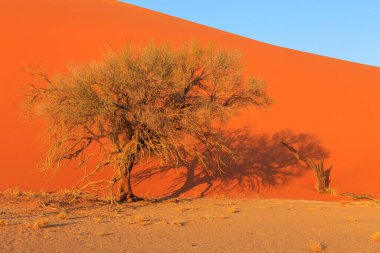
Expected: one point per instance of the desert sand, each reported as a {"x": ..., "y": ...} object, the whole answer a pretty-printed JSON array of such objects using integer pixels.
[{"x": 186, "y": 225}]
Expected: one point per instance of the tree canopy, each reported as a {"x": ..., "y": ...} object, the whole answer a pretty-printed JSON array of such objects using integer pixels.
[{"x": 154, "y": 102}]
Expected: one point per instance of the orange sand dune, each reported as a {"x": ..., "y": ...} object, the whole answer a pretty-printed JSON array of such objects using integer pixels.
[{"x": 323, "y": 104}]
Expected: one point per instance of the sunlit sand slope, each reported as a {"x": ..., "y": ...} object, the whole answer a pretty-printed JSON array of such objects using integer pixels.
[{"x": 325, "y": 106}]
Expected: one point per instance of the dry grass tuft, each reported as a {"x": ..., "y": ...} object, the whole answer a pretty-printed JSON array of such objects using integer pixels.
[
  {"x": 178, "y": 223},
  {"x": 333, "y": 192},
  {"x": 3, "y": 223},
  {"x": 182, "y": 208},
  {"x": 63, "y": 215},
  {"x": 344, "y": 203},
  {"x": 233, "y": 209},
  {"x": 141, "y": 218},
  {"x": 316, "y": 246},
  {"x": 98, "y": 220},
  {"x": 14, "y": 192},
  {"x": 376, "y": 236},
  {"x": 44, "y": 223}
]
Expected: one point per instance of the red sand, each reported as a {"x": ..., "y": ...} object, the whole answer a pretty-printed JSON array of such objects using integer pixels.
[{"x": 332, "y": 100}]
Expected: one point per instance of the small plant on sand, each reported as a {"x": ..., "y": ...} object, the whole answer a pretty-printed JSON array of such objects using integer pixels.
[
  {"x": 14, "y": 192},
  {"x": 177, "y": 222},
  {"x": 376, "y": 236},
  {"x": 181, "y": 208},
  {"x": 3, "y": 222},
  {"x": 141, "y": 218},
  {"x": 141, "y": 104},
  {"x": 63, "y": 215},
  {"x": 232, "y": 209},
  {"x": 43, "y": 223},
  {"x": 316, "y": 246},
  {"x": 98, "y": 219}
]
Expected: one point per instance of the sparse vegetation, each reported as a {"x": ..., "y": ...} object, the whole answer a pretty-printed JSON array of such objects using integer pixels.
[
  {"x": 141, "y": 218},
  {"x": 316, "y": 246},
  {"x": 177, "y": 222},
  {"x": 14, "y": 192},
  {"x": 182, "y": 208},
  {"x": 232, "y": 209},
  {"x": 141, "y": 104},
  {"x": 3, "y": 222},
  {"x": 211, "y": 218},
  {"x": 63, "y": 215},
  {"x": 376, "y": 236},
  {"x": 42, "y": 223}
]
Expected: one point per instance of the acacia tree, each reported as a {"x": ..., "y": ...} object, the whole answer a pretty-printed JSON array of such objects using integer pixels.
[{"x": 141, "y": 103}]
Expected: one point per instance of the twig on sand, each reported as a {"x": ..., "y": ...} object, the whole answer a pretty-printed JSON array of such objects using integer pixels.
[{"x": 360, "y": 196}]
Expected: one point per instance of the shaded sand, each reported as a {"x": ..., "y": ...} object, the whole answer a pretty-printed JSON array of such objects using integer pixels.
[
  {"x": 186, "y": 225},
  {"x": 324, "y": 106}
]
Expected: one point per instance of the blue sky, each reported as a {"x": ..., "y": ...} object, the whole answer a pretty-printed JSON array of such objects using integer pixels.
[{"x": 344, "y": 29}]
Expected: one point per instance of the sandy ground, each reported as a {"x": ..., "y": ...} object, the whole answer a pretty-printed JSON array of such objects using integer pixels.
[{"x": 186, "y": 225}]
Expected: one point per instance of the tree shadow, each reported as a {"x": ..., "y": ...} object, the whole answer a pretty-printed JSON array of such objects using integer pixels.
[{"x": 260, "y": 162}]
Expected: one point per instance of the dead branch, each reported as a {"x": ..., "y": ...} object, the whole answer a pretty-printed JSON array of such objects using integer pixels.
[{"x": 323, "y": 175}]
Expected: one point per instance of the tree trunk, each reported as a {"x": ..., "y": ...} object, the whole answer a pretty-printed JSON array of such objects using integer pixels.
[
  {"x": 322, "y": 183},
  {"x": 125, "y": 190}
]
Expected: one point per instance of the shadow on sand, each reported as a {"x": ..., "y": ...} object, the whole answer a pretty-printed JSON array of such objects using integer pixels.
[{"x": 260, "y": 162}]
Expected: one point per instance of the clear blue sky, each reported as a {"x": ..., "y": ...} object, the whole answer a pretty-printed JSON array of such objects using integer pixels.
[{"x": 344, "y": 29}]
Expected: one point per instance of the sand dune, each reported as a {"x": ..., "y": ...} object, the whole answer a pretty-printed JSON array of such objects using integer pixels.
[{"x": 328, "y": 106}]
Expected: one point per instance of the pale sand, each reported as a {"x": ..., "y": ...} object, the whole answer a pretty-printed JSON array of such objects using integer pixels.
[{"x": 197, "y": 225}]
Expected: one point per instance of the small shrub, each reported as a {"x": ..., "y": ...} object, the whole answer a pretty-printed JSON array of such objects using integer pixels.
[
  {"x": 232, "y": 209},
  {"x": 182, "y": 209},
  {"x": 63, "y": 215},
  {"x": 14, "y": 192},
  {"x": 178, "y": 223},
  {"x": 376, "y": 236},
  {"x": 316, "y": 246},
  {"x": 141, "y": 218},
  {"x": 3, "y": 223},
  {"x": 41, "y": 223}
]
